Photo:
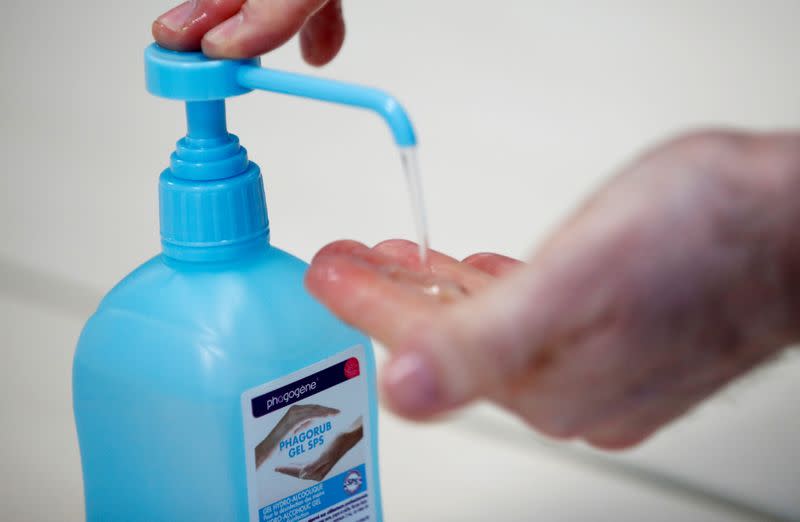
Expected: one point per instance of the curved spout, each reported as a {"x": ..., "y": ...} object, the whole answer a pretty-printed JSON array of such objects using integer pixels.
[{"x": 253, "y": 77}]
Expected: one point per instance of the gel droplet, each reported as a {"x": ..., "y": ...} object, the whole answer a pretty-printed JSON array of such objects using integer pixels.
[
  {"x": 445, "y": 291},
  {"x": 430, "y": 285}
]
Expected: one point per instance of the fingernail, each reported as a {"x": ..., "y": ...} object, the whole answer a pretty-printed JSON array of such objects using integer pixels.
[
  {"x": 176, "y": 18},
  {"x": 411, "y": 384},
  {"x": 224, "y": 31}
]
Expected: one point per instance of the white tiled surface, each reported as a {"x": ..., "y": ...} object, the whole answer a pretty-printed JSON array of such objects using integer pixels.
[
  {"x": 521, "y": 108},
  {"x": 429, "y": 472}
]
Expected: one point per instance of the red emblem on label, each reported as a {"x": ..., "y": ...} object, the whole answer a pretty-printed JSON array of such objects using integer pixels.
[{"x": 351, "y": 368}]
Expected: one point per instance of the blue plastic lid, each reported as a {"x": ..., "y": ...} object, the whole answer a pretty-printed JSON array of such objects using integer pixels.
[{"x": 192, "y": 76}]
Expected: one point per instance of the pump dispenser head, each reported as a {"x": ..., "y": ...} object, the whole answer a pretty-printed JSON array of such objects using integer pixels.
[{"x": 212, "y": 196}]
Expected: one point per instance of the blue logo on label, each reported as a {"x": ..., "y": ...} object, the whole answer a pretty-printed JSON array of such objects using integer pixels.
[{"x": 352, "y": 482}]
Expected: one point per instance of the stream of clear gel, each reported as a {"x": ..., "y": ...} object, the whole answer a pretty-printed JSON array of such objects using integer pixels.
[
  {"x": 429, "y": 284},
  {"x": 410, "y": 160}
]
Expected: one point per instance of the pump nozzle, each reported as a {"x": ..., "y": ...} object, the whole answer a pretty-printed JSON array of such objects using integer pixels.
[{"x": 194, "y": 78}]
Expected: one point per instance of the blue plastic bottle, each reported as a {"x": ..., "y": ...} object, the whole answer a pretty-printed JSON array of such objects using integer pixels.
[{"x": 209, "y": 385}]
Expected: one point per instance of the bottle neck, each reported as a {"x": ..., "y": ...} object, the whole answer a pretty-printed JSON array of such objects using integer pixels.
[{"x": 216, "y": 253}]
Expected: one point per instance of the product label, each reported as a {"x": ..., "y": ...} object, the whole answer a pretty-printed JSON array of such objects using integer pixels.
[{"x": 307, "y": 444}]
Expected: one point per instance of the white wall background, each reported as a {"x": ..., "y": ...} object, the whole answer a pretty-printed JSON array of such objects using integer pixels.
[{"x": 521, "y": 108}]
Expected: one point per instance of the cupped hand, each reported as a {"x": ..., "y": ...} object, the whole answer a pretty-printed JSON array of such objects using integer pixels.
[
  {"x": 676, "y": 277},
  {"x": 247, "y": 28}
]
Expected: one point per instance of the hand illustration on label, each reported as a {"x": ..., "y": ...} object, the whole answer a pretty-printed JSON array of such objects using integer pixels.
[
  {"x": 319, "y": 469},
  {"x": 295, "y": 417}
]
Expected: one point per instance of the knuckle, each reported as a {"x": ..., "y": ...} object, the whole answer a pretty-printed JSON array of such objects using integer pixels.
[
  {"x": 619, "y": 442},
  {"x": 396, "y": 245},
  {"x": 478, "y": 257},
  {"x": 558, "y": 426},
  {"x": 553, "y": 418},
  {"x": 707, "y": 148},
  {"x": 343, "y": 246},
  {"x": 703, "y": 140}
]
